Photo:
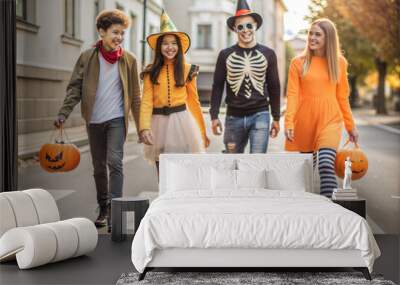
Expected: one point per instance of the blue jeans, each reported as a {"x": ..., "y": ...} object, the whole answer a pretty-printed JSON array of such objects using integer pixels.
[{"x": 238, "y": 130}]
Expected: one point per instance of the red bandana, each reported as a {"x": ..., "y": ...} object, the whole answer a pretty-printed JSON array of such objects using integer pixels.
[{"x": 110, "y": 56}]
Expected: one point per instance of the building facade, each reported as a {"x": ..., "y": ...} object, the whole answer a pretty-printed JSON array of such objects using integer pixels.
[
  {"x": 298, "y": 44},
  {"x": 51, "y": 34},
  {"x": 205, "y": 22},
  {"x": 272, "y": 31}
]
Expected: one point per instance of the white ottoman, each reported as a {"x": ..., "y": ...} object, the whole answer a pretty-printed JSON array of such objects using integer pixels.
[{"x": 31, "y": 232}]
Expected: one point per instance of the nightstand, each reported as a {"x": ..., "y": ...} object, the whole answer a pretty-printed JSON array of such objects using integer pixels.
[
  {"x": 139, "y": 205},
  {"x": 358, "y": 206}
]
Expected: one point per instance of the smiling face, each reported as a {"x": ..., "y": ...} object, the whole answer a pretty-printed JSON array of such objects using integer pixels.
[
  {"x": 59, "y": 157},
  {"x": 169, "y": 46},
  {"x": 56, "y": 162},
  {"x": 112, "y": 37},
  {"x": 316, "y": 39},
  {"x": 245, "y": 27}
]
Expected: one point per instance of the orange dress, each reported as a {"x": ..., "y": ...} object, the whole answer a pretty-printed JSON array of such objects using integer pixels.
[{"x": 317, "y": 107}]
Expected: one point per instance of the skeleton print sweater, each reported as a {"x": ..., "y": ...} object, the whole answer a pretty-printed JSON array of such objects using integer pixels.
[{"x": 251, "y": 79}]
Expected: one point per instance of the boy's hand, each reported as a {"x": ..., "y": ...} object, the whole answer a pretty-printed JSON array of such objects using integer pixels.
[
  {"x": 216, "y": 127},
  {"x": 59, "y": 121}
]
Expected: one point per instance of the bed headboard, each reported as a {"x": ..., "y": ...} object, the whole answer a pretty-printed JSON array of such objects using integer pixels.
[{"x": 284, "y": 160}]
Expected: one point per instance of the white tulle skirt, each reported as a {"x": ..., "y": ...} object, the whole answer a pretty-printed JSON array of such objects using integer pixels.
[{"x": 176, "y": 133}]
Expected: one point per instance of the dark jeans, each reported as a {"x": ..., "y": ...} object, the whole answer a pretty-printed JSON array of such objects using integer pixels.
[
  {"x": 238, "y": 130},
  {"x": 107, "y": 148}
]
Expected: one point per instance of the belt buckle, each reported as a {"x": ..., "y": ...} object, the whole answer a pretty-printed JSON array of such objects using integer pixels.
[{"x": 165, "y": 110}]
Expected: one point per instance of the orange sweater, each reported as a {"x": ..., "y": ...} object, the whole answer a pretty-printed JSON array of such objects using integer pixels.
[
  {"x": 317, "y": 107},
  {"x": 167, "y": 94}
]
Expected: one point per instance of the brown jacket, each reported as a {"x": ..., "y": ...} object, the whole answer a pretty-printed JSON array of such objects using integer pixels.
[{"x": 84, "y": 80}]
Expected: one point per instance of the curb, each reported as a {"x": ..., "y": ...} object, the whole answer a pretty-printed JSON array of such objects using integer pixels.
[
  {"x": 386, "y": 128},
  {"x": 379, "y": 125}
]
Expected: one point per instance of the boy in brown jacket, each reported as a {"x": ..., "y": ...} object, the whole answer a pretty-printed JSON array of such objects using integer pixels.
[{"x": 105, "y": 80}]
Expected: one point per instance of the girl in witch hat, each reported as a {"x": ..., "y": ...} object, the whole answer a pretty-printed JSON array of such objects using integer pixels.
[
  {"x": 318, "y": 101},
  {"x": 171, "y": 120}
]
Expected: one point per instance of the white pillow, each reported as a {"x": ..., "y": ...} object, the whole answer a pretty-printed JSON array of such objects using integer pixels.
[
  {"x": 223, "y": 179},
  {"x": 293, "y": 180},
  {"x": 251, "y": 178},
  {"x": 188, "y": 177},
  {"x": 282, "y": 174}
]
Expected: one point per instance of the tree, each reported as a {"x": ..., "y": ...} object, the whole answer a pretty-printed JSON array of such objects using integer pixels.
[{"x": 379, "y": 22}]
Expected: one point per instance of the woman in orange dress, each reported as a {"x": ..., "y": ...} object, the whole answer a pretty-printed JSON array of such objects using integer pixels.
[{"x": 317, "y": 102}]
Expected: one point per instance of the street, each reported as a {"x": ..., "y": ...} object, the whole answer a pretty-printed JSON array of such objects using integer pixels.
[
  {"x": 76, "y": 196},
  {"x": 382, "y": 181}
]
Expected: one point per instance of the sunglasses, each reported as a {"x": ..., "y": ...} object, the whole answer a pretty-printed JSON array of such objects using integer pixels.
[{"x": 247, "y": 26}]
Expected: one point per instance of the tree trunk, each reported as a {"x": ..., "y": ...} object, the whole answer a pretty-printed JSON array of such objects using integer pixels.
[
  {"x": 380, "y": 102},
  {"x": 353, "y": 90}
]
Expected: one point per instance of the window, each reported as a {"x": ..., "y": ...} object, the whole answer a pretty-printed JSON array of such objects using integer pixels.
[
  {"x": 96, "y": 12},
  {"x": 70, "y": 18},
  {"x": 71, "y": 22},
  {"x": 21, "y": 9},
  {"x": 133, "y": 34},
  {"x": 25, "y": 12},
  {"x": 149, "y": 52},
  {"x": 119, "y": 7},
  {"x": 204, "y": 36}
]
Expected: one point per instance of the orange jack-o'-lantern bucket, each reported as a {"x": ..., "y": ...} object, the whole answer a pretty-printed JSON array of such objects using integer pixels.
[
  {"x": 60, "y": 156},
  {"x": 359, "y": 161}
]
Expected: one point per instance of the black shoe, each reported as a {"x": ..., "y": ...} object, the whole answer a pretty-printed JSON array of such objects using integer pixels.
[{"x": 101, "y": 220}]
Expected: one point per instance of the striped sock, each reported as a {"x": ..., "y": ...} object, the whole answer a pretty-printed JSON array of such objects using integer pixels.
[{"x": 326, "y": 167}]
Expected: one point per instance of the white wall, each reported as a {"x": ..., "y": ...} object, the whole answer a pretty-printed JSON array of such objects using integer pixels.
[{"x": 46, "y": 47}]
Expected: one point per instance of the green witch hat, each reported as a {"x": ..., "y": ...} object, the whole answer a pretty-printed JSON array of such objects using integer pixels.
[{"x": 167, "y": 27}]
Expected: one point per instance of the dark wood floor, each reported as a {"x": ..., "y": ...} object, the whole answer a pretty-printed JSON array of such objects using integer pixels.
[
  {"x": 103, "y": 266},
  {"x": 110, "y": 260}
]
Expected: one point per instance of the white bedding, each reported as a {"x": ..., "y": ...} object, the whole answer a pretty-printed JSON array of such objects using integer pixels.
[{"x": 251, "y": 218}]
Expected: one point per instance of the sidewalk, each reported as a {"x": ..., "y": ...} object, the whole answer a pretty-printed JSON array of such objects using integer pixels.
[
  {"x": 29, "y": 144},
  {"x": 368, "y": 116}
]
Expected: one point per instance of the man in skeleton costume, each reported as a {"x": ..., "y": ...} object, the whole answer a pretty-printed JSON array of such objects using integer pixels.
[{"x": 249, "y": 71}]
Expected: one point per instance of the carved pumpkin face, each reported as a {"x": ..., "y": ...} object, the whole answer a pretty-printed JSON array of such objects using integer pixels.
[
  {"x": 59, "y": 157},
  {"x": 359, "y": 163}
]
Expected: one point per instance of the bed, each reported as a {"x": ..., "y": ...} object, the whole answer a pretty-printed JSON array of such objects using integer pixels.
[{"x": 246, "y": 211}]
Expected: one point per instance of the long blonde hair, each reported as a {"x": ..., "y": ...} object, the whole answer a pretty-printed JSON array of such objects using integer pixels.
[{"x": 332, "y": 49}]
